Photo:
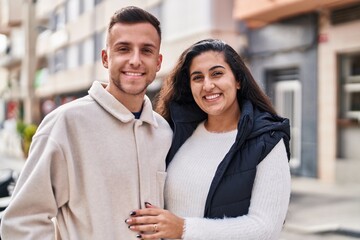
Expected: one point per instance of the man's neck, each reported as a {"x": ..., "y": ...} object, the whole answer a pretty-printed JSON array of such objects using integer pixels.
[{"x": 132, "y": 102}]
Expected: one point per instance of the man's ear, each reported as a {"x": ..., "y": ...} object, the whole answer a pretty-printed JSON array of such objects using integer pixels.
[
  {"x": 104, "y": 58},
  {"x": 160, "y": 58}
]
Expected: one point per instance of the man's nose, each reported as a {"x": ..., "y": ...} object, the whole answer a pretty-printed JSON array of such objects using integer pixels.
[{"x": 135, "y": 59}]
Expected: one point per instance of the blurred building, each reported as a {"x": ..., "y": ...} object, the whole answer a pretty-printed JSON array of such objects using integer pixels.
[
  {"x": 306, "y": 54},
  {"x": 54, "y": 47}
]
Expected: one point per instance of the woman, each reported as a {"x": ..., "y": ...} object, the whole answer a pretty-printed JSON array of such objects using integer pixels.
[{"x": 228, "y": 172}]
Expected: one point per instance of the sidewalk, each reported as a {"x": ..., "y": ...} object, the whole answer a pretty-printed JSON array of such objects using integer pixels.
[{"x": 322, "y": 211}]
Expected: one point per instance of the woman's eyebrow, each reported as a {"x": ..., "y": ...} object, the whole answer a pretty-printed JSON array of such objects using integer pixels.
[{"x": 212, "y": 68}]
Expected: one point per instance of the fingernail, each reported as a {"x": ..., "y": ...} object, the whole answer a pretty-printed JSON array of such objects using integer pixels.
[
  {"x": 138, "y": 236},
  {"x": 128, "y": 220},
  {"x": 147, "y": 203},
  {"x": 132, "y": 213}
]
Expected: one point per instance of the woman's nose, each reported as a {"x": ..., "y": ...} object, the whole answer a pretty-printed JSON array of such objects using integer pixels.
[{"x": 208, "y": 85}]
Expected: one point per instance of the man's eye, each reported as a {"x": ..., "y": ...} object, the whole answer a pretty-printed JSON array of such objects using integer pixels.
[
  {"x": 147, "y": 50},
  {"x": 123, "y": 49}
]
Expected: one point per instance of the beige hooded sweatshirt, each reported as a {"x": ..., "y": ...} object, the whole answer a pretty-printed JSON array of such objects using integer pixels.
[{"x": 91, "y": 163}]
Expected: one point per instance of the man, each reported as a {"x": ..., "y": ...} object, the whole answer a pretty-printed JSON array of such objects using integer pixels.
[{"x": 95, "y": 159}]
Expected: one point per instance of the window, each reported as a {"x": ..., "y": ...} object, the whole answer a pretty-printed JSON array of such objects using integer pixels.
[
  {"x": 73, "y": 56},
  {"x": 72, "y": 10},
  {"x": 98, "y": 1},
  {"x": 355, "y": 66},
  {"x": 284, "y": 86},
  {"x": 59, "y": 60},
  {"x": 99, "y": 39},
  {"x": 80, "y": 47},
  {"x": 350, "y": 86},
  {"x": 87, "y": 5},
  {"x": 59, "y": 18},
  {"x": 345, "y": 14},
  {"x": 88, "y": 51}
]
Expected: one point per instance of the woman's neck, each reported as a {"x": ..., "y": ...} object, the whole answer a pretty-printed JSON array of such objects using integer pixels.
[{"x": 221, "y": 124}]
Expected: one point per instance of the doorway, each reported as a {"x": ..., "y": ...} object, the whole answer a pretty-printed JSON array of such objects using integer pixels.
[{"x": 288, "y": 104}]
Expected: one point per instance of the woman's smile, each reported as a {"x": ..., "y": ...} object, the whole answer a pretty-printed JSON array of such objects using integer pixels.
[{"x": 212, "y": 96}]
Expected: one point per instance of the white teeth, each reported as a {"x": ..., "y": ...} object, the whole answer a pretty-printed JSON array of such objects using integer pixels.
[
  {"x": 212, "y": 96},
  {"x": 133, "y": 74}
]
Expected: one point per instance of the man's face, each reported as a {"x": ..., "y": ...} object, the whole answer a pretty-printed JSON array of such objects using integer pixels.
[{"x": 132, "y": 58}]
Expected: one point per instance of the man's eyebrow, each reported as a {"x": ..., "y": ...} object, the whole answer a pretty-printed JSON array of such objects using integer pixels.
[
  {"x": 150, "y": 45},
  {"x": 121, "y": 43},
  {"x": 128, "y": 44}
]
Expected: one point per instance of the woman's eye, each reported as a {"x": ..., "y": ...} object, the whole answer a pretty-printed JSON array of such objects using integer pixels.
[
  {"x": 196, "y": 78},
  {"x": 217, "y": 74}
]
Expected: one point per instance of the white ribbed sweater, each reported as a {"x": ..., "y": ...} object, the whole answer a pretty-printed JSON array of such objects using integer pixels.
[{"x": 189, "y": 177}]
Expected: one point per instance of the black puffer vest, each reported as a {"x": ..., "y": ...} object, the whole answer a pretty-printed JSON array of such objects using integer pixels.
[{"x": 231, "y": 187}]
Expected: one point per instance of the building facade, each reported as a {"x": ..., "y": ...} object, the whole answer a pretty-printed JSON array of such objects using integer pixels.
[{"x": 306, "y": 55}]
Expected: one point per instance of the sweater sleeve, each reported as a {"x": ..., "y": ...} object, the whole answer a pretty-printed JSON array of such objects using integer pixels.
[
  {"x": 268, "y": 207},
  {"x": 41, "y": 189}
]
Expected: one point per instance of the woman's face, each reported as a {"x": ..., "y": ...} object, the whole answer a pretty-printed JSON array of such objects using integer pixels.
[{"x": 213, "y": 84}]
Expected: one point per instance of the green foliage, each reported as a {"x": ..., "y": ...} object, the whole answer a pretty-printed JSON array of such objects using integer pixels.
[
  {"x": 26, "y": 132},
  {"x": 29, "y": 131},
  {"x": 20, "y": 127}
]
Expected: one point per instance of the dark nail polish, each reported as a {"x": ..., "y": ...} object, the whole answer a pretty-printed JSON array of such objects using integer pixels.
[
  {"x": 138, "y": 236},
  {"x": 125, "y": 220},
  {"x": 147, "y": 203},
  {"x": 132, "y": 213}
]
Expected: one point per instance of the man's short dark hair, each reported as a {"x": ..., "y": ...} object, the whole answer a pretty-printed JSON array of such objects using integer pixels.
[{"x": 132, "y": 14}]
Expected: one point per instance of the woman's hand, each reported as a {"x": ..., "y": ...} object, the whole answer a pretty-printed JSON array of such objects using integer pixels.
[{"x": 154, "y": 223}]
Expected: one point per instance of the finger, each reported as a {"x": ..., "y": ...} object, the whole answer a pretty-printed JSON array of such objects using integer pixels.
[
  {"x": 140, "y": 212},
  {"x": 149, "y": 236},
  {"x": 133, "y": 213},
  {"x": 149, "y": 205},
  {"x": 141, "y": 220},
  {"x": 148, "y": 228},
  {"x": 153, "y": 211}
]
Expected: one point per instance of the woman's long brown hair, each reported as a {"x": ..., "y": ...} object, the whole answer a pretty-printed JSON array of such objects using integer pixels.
[{"x": 176, "y": 86}]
